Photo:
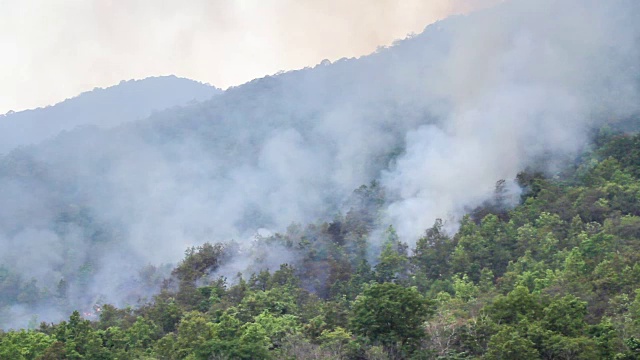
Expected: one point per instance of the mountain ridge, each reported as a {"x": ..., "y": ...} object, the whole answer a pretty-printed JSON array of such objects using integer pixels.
[{"x": 104, "y": 107}]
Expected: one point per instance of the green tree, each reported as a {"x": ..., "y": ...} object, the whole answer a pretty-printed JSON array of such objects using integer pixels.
[
  {"x": 18, "y": 345},
  {"x": 509, "y": 344},
  {"x": 194, "y": 332},
  {"x": 81, "y": 341},
  {"x": 518, "y": 305},
  {"x": 393, "y": 261},
  {"x": 391, "y": 315},
  {"x": 433, "y": 251}
]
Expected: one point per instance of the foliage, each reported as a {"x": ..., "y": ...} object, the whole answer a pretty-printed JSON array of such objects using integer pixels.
[{"x": 391, "y": 315}]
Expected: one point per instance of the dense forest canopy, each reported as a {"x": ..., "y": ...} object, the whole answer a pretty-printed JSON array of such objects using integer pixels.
[{"x": 469, "y": 192}]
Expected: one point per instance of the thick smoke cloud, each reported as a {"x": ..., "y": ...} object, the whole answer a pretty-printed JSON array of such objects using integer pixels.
[
  {"x": 525, "y": 80},
  {"x": 438, "y": 118}
]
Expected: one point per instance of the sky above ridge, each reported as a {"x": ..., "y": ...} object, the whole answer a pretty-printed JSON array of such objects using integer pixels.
[{"x": 55, "y": 49}]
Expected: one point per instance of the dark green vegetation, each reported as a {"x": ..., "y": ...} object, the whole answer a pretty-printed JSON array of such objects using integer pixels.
[{"x": 556, "y": 277}]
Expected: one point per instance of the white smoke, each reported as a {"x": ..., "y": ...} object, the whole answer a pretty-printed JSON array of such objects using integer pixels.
[{"x": 525, "y": 80}]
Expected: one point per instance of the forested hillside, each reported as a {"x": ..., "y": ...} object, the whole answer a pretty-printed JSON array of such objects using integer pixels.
[
  {"x": 469, "y": 192},
  {"x": 96, "y": 216},
  {"x": 556, "y": 277}
]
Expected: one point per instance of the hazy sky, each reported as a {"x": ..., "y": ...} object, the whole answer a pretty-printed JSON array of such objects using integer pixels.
[{"x": 55, "y": 49}]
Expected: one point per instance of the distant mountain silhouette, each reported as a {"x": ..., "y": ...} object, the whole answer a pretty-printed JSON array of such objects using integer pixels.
[{"x": 127, "y": 101}]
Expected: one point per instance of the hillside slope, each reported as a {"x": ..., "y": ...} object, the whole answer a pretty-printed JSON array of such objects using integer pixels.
[
  {"x": 435, "y": 120},
  {"x": 127, "y": 101},
  {"x": 555, "y": 277}
]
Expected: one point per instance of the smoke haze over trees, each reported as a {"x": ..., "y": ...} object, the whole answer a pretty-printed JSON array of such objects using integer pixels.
[{"x": 92, "y": 215}]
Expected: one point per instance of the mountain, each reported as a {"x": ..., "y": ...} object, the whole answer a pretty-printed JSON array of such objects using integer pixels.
[
  {"x": 435, "y": 121},
  {"x": 127, "y": 101}
]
